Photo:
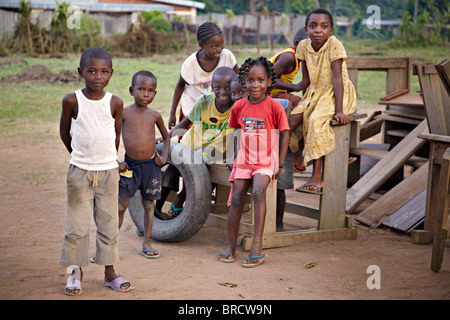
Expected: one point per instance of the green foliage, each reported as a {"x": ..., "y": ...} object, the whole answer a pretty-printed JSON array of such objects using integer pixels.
[
  {"x": 301, "y": 6},
  {"x": 230, "y": 14},
  {"x": 25, "y": 8},
  {"x": 61, "y": 15},
  {"x": 161, "y": 24},
  {"x": 155, "y": 36},
  {"x": 88, "y": 35},
  {"x": 157, "y": 21},
  {"x": 420, "y": 31},
  {"x": 149, "y": 15}
]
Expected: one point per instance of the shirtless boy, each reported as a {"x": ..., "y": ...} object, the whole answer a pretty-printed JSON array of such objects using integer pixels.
[{"x": 142, "y": 166}]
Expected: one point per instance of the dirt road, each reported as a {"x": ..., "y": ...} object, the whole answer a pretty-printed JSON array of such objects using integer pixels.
[{"x": 34, "y": 165}]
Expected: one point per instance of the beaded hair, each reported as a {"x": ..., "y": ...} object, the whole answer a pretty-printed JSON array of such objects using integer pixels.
[
  {"x": 260, "y": 61},
  {"x": 208, "y": 30}
]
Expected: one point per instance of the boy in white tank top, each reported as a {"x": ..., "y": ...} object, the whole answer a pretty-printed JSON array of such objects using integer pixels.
[{"x": 95, "y": 118}]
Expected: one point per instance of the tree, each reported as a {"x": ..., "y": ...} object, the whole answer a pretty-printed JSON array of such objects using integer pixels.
[{"x": 230, "y": 16}]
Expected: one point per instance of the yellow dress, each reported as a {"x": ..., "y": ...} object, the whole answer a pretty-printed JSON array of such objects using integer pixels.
[{"x": 318, "y": 102}]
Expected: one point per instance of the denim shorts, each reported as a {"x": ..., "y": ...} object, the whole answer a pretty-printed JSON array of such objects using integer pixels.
[{"x": 144, "y": 175}]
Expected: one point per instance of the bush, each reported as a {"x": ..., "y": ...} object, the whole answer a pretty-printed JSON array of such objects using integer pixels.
[
  {"x": 157, "y": 21},
  {"x": 161, "y": 24}
]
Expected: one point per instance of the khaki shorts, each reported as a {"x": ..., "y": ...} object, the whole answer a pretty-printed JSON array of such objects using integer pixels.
[{"x": 91, "y": 193}]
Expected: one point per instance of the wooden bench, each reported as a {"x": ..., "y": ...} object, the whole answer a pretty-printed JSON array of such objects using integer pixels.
[
  {"x": 333, "y": 224},
  {"x": 434, "y": 84},
  {"x": 403, "y": 111}
]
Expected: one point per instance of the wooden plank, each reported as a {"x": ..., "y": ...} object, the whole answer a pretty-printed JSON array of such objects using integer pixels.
[
  {"x": 332, "y": 202},
  {"x": 302, "y": 210},
  {"x": 378, "y": 154},
  {"x": 395, "y": 94},
  {"x": 355, "y": 136},
  {"x": 412, "y": 99},
  {"x": 270, "y": 223},
  {"x": 395, "y": 198},
  {"x": 353, "y": 76},
  {"x": 443, "y": 69},
  {"x": 408, "y": 216},
  {"x": 221, "y": 222},
  {"x": 377, "y": 63},
  {"x": 421, "y": 236},
  {"x": 404, "y": 115},
  {"x": 289, "y": 238},
  {"x": 393, "y": 118},
  {"x": 434, "y": 137},
  {"x": 385, "y": 168},
  {"x": 371, "y": 128},
  {"x": 439, "y": 231},
  {"x": 397, "y": 79},
  {"x": 436, "y": 100},
  {"x": 219, "y": 174}
]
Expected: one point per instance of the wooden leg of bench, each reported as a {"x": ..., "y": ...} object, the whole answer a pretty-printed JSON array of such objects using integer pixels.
[
  {"x": 441, "y": 216},
  {"x": 333, "y": 200}
]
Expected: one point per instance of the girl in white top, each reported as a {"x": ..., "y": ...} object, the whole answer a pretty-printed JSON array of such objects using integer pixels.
[{"x": 197, "y": 70}]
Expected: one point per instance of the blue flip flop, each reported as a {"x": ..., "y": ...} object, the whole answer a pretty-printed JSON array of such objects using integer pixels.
[
  {"x": 149, "y": 256},
  {"x": 174, "y": 212},
  {"x": 225, "y": 257},
  {"x": 303, "y": 187},
  {"x": 252, "y": 265}
]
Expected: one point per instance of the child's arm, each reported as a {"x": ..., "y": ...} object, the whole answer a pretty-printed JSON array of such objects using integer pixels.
[
  {"x": 184, "y": 124},
  {"x": 285, "y": 64},
  {"x": 161, "y": 160},
  {"x": 284, "y": 142},
  {"x": 179, "y": 89},
  {"x": 229, "y": 162},
  {"x": 305, "y": 76},
  {"x": 338, "y": 85},
  {"x": 68, "y": 108},
  {"x": 116, "y": 111}
]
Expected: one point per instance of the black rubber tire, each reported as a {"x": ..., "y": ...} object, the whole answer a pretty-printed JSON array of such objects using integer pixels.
[{"x": 198, "y": 198}]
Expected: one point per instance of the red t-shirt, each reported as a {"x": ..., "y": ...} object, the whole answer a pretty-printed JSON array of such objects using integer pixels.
[{"x": 260, "y": 125}]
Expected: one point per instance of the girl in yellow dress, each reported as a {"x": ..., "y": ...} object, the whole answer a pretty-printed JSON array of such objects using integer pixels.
[{"x": 328, "y": 92}]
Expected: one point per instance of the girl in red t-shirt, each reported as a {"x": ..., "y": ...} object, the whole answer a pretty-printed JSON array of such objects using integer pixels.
[{"x": 260, "y": 121}]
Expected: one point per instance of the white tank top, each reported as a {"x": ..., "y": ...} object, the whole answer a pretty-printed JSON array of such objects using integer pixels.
[{"x": 93, "y": 134}]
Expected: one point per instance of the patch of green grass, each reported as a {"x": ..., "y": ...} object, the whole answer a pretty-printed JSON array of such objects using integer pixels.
[{"x": 41, "y": 102}]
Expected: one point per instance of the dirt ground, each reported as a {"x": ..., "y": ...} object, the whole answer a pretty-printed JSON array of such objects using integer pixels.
[{"x": 33, "y": 196}]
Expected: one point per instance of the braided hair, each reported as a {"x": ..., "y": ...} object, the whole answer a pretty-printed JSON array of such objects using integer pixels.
[
  {"x": 208, "y": 30},
  {"x": 260, "y": 61}
]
